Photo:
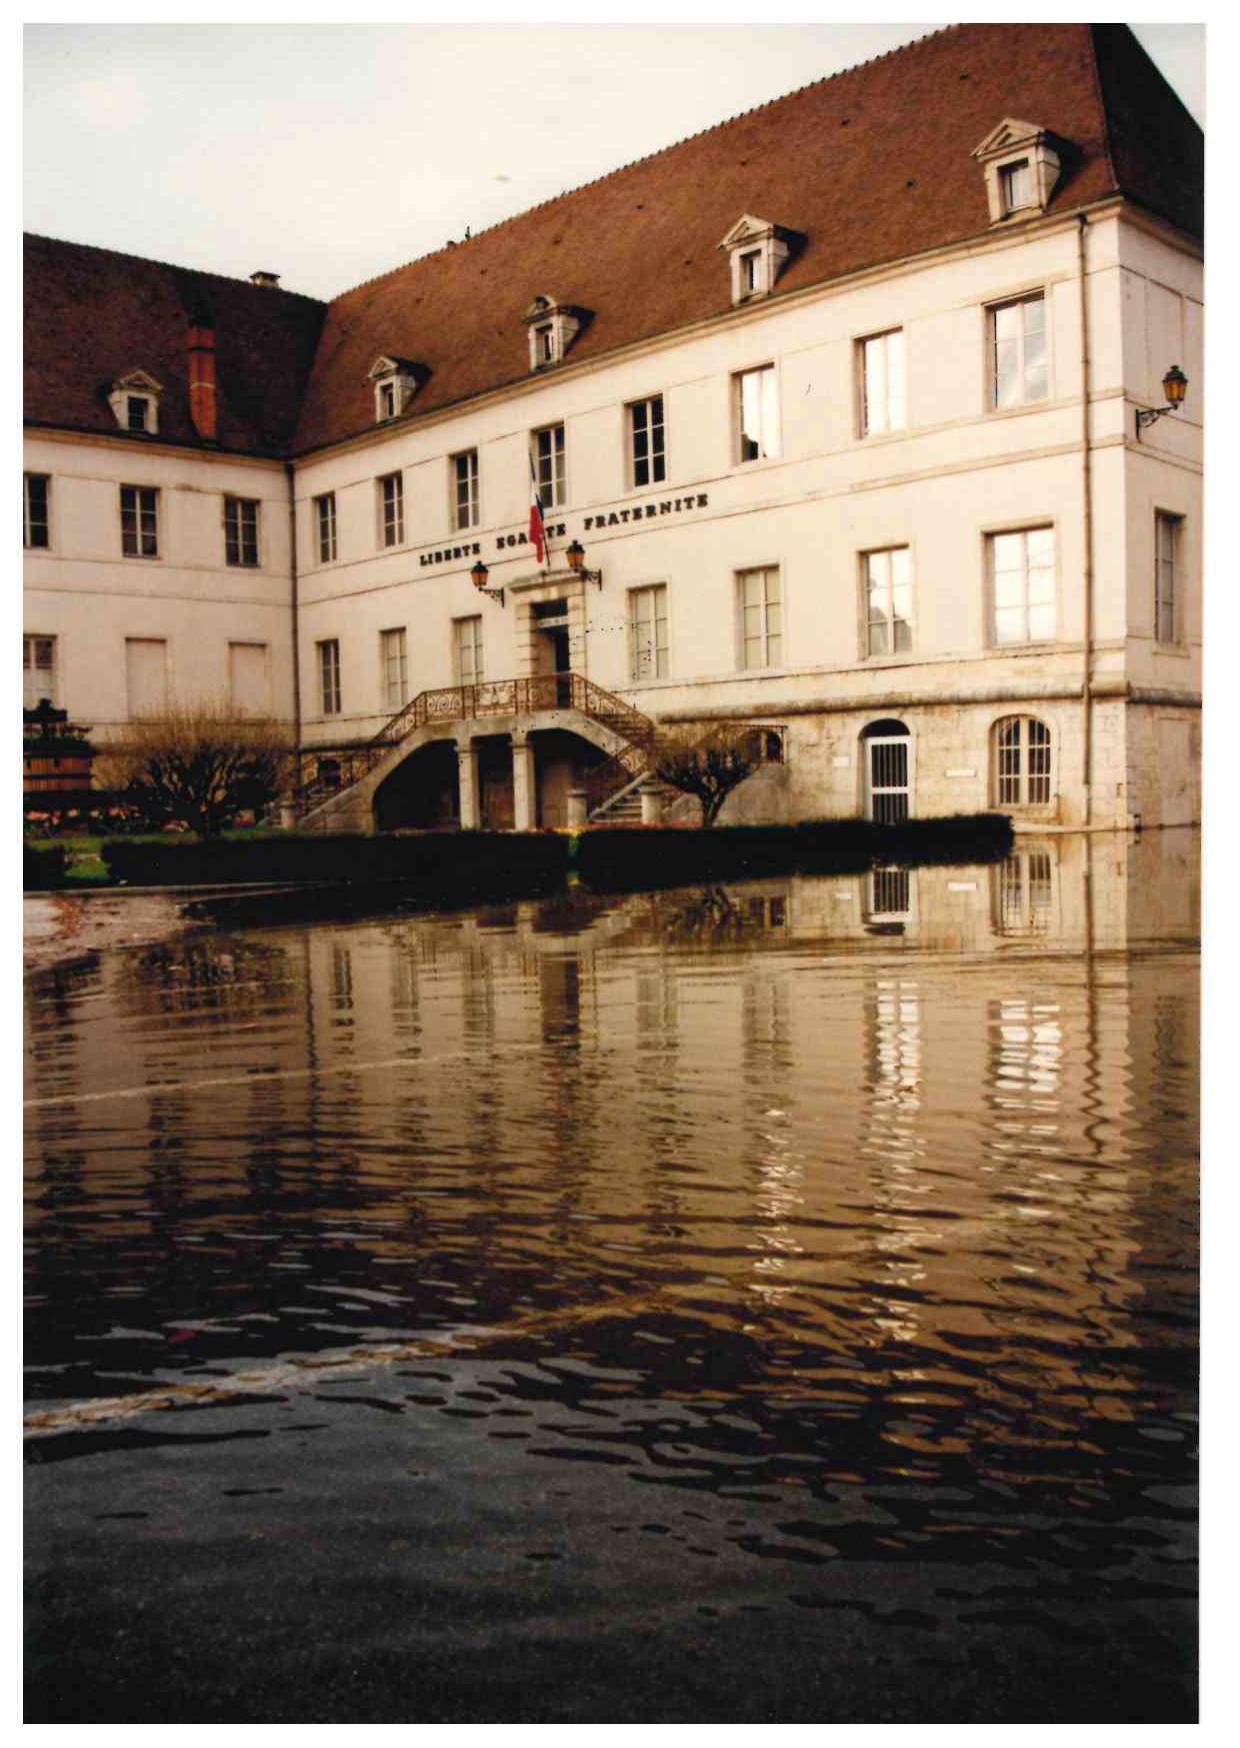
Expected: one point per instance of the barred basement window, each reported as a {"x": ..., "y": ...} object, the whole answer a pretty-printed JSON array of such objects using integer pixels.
[
  {"x": 1022, "y": 889},
  {"x": 139, "y": 522},
  {"x": 1022, "y": 762},
  {"x": 241, "y": 531},
  {"x": 325, "y": 516},
  {"x": 36, "y": 521}
]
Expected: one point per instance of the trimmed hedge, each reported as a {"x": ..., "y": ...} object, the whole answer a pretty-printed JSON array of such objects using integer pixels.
[
  {"x": 481, "y": 864},
  {"x": 631, "y": 858},
  {"x": 43, "y": 870}
]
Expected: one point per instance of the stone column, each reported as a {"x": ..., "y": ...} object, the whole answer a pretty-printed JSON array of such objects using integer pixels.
[
  {"x": 524, "y": 784},
  {"x": 467, "y": 760}
]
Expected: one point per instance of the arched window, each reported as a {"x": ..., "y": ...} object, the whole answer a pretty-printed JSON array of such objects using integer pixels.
[{"x": 1022, "y": 762}]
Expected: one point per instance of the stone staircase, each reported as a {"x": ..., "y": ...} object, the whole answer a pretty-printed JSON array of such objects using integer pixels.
[{"x": 624, "y": 806}]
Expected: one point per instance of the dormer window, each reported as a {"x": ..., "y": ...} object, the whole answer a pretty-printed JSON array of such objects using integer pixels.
[
  {"x": 1021, "y": 164},
  {"x": 759, "y": 251},
  {"x": 396, "y": 381},
  {"x": 134, "y": 400},
  {"x": 553, "y": 327}
]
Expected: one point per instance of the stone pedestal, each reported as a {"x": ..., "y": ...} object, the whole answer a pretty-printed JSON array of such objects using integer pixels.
[
  {"x": 652, "y": 807},
  {"x": 578, "y": 807}
]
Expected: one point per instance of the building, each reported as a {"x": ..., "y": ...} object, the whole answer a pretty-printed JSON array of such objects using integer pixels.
[{"x": 841, "y": 398}]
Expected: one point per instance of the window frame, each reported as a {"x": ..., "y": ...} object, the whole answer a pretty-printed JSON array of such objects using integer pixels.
[
  {"x": 1007, "y": 173},
  {"x": 1020, "y": 300},
  {"x": 477, "y": 649},
  {"x": 656, "y": 454},
  {"x": 327, "y": 656},
  {"x": 1023, "y": 529},
  {"x": 473, "y": 497},
  {"x": 661, "y": 651},
  {"x": 866, "y": 427},
  {"x": 240, "y": 539},
  {"x": 30, "y": 645},
  {"x": 1174, "y": 522},
  {"x": 553, "y": 493},
  {"x": 325, "y": 526},
  {"x": 393, "y": 523},
  {"x": 138, "y": 511},
  {"x": 390, "y": 704},
  {"x": 1020, "y": 771},
  {"x": 867, "y": 621},
  {"x": 767, "y": 372},
  {"x": 29, "y": 520},
  {"x": 766, "y": 634}
]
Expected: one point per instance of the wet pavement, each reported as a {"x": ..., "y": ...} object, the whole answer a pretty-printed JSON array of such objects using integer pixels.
[{"x": 756, "y": 1303}]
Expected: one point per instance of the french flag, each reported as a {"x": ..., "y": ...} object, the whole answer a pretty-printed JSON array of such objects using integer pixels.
[{"x": 538, "y": 528}]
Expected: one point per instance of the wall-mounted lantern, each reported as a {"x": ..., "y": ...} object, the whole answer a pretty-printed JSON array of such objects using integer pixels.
[
  {"x": 478, "y": 576},
  {"x": 576, "y": 556},
  {"x": 1175, "y": 387}
]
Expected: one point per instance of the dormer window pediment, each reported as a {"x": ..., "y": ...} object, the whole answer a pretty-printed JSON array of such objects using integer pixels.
[
  {"x": 1021, "y": 163},
  {"x": 759, "y": 251},
  {"x": 134, "y": 400},
  {"x": 553, "y": 326},
  {"x": 396, "y": 381}
]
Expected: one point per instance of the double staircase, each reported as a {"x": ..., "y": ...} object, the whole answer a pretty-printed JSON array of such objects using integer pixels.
[{"x": 612, "y": 787}]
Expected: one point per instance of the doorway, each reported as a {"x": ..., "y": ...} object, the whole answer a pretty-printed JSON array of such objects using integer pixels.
[
  {"x": 551, "y": 647},
  {"x": 888, "y": 771}
]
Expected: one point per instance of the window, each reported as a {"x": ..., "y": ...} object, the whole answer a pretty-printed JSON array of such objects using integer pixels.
[
  {"x": 751, "y": 271},
  {"x": 134, "y": 400},
  {"x": 396, "y": 381},
  {"x": 1166, "y": 578},
  {"x": 883, "y": 394},
  {"x": 468, "y": 633},
  {"x": 552, "y": 328},
  {"x": 391, "y": 509},
  {"x": 757, "y": 251},
  {"x": 241, "y": 531},
  {"x": 465, "y": 484},
  {"x": 329, "y": 676},
  {"x": 1019, "y": 371},
  {"x": 648, "y": 632},
  {"x": 146, "y": 674},
  {"x": 545, "y": 344},
  {"x": 1022, "y": 762},
  {"x": 38, "y": 671},
  {"x": 646, "y": 444},
  {"x": 761, "y": 611},
  {"x": 1022, "y": 585},
  {"x": 325, "y": 517},
  {"x": 888, "y": 584},
  {"x": 36, "y": 521},
  {"x": 393, "y": 664},
  {"x": 1016, "y": 185},
  {"x": 249, "y": 678},
  {"x": 137, "y": 413},
  {"x": 386, "y": 403},
  {"x": 549, "y": 466},
  {"x": 1022, "y": 893},
  {"x": 757, "y": 414},
  {"x": 139, "y": 522}
]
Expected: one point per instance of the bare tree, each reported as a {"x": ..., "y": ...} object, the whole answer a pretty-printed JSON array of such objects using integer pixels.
[
  {"x": 708, "y": 765},
  {"x": 198, "y": 765}
]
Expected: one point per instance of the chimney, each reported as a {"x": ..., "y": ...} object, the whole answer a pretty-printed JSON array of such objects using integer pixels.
[
  {"x": 202, "y": 381},
  {"x": 262, "y": 277}
]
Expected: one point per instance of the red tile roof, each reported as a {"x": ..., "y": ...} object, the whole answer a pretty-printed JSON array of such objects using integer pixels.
[
  {"x": 93, "y": 316},
  {"x": 870, "y": 166}
]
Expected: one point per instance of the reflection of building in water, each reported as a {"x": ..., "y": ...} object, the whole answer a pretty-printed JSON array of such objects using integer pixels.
[
  {"x": 1022, "y": 893},
  {"x": 1024, "y": 1076}
]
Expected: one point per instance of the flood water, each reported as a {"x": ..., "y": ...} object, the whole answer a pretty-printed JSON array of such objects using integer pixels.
[{"x": 768, "y": 1302}]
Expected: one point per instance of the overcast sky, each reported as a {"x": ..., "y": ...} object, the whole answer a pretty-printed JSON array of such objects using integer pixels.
[{"x": 331, "y": 153}]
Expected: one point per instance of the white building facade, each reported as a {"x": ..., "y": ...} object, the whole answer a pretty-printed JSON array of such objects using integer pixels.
[{"x": 901, "y": 520}]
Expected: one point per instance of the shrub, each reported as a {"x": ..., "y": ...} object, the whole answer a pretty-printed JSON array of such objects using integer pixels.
[
  {"x": 198, "y": 766},
  {"x": 43, "y": 870},
  {"x": 707, "y": 765}
]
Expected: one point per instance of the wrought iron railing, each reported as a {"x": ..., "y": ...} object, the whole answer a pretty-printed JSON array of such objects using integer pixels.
[{"x": 328, "y": 771}]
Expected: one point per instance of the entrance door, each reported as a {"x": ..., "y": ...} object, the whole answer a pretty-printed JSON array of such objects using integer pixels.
[
  {"x": 887, "y": 776},
  {"x": 551, "y": 622}
]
